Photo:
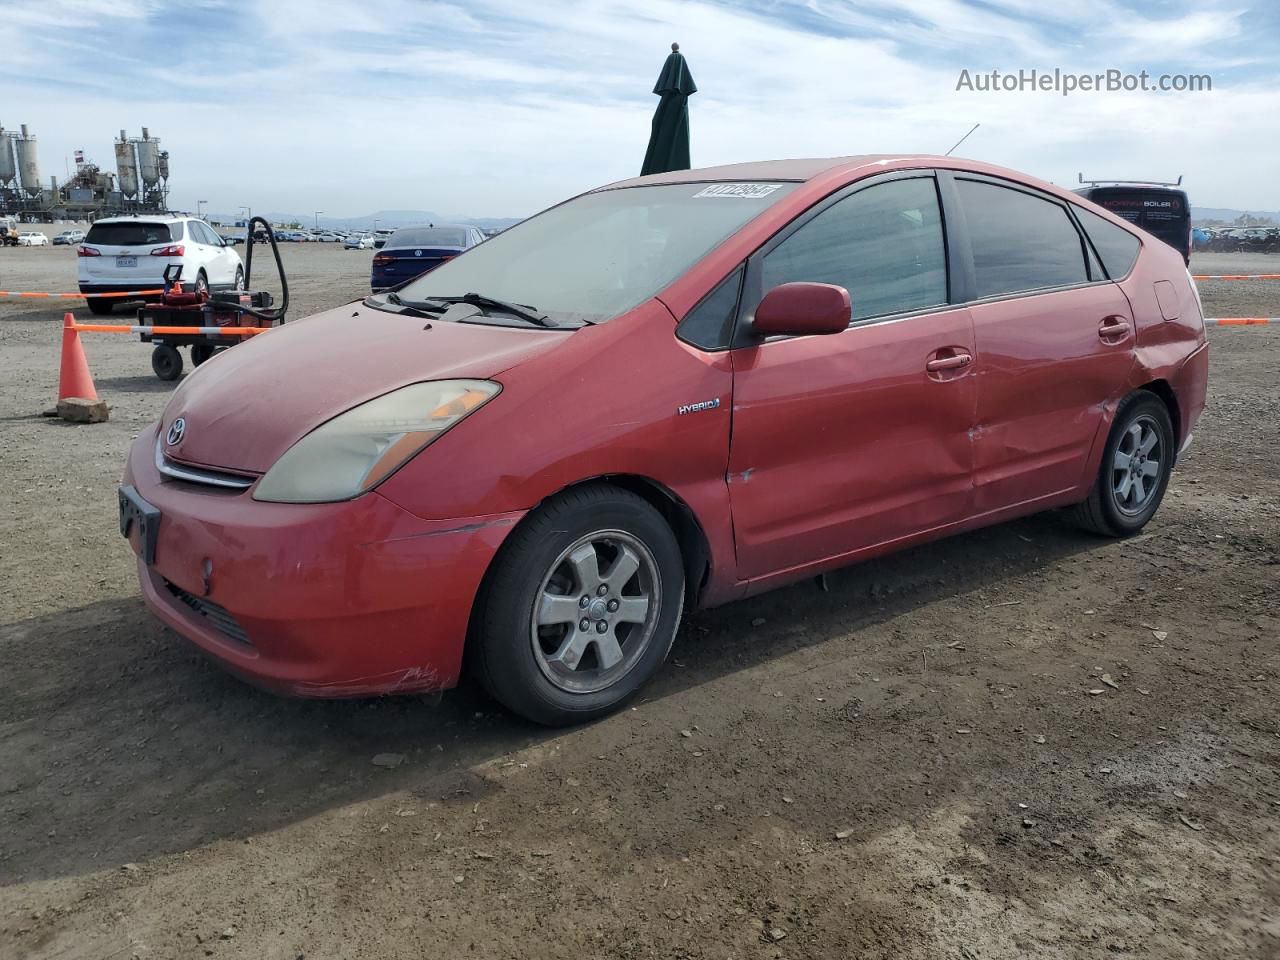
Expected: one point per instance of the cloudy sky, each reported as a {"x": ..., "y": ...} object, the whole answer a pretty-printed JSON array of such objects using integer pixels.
[{"x": 499, "y": 107}]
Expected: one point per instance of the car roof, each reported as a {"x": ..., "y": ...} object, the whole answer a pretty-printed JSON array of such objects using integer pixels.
[
  {"x": 433, "y": 226},
  {"x": 795, "y": 169},
  {"x": 146, "y": 218}
]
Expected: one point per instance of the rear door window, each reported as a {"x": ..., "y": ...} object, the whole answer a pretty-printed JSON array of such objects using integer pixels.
[
  {"x": 1020, "y": 241},
  {"x": 136, "y": 233},
  {"x": 1117, "y": 247},
  {"x": 883, "y": 244}
]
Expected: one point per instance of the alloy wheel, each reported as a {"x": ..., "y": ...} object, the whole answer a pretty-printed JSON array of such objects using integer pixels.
[
  {"x": 596, "y": 611},
  {"x": 1136, "y": 466}
]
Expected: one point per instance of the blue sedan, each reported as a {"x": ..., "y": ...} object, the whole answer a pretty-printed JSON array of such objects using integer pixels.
[{"x": 412, "y": 251}]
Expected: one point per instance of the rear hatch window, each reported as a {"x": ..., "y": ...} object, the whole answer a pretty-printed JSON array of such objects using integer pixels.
[
  {"x": 136, "y": 233},
  {"x": 428, "y": 237}
]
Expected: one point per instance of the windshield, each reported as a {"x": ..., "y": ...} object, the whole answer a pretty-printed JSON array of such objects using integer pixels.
[{"x": 603, "y": 253}]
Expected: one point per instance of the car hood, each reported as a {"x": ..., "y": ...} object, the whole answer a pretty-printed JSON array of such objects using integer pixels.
[{"x": 247, "y": 405}]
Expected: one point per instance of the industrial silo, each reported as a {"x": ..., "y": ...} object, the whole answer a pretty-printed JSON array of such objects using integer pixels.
[
  {"x": 8, "y": 169},
  {"x": 28, "y": 163},
  {"x": 127, "y": 167},
  {"x": 149, "y": 159}
]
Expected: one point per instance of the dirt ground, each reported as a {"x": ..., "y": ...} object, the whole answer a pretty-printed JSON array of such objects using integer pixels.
[{"x": 1022, "y": 742}]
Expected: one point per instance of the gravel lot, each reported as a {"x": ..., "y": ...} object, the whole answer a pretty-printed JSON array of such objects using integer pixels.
[{"x": 916, "y": 764}]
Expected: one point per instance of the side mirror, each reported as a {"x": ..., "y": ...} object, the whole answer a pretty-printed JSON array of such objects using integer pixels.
[{"x": 803, "y": 309}]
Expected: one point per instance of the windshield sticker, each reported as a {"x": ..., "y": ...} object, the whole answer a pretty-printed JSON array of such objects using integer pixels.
[{"x": 744, "y": 191}]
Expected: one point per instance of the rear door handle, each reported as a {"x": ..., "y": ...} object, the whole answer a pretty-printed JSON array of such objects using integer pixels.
[
  {"x": 1113, "y": 328},
  {"x": 949, "y": 363}
]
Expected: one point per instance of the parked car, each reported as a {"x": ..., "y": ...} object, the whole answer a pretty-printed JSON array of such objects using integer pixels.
[
  {"x": 358, "y": 241},
  {"x": 668, "y": 393},
  {"x": 328, "y": 237},
  {"x": 132, "y": 252},
  {"x": 412, "y": 251},
  {"x": 32, "y": 238},
  {"x": 68, "y": 238}
]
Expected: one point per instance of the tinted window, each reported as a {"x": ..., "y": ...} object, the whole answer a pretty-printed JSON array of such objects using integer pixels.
[
  {"x": 709, "y": 325},
  {"x": 1117, "y": 247},
  {"x": 1019, "y": 241},
  {"x": 133, "y": 233},
  {"x": 883, "y": 244},
  {"x": 429, "y": 237}
]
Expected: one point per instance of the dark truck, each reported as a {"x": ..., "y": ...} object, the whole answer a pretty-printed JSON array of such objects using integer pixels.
[{"x": 1161, "y": 209}]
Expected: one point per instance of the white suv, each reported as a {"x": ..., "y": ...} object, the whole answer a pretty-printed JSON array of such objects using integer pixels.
[{"x": 132, "y": 253}]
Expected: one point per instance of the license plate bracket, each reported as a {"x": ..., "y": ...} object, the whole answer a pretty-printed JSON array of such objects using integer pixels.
[
  {"x": 123, "y": 262},
  {"x": 135, "y": 510}
]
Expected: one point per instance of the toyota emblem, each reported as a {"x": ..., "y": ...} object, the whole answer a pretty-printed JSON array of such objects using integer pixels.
[{"x": 177, "y": 431}]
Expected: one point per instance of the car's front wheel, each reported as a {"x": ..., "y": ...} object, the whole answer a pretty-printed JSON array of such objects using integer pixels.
[
  {"x": 580, "y": 608},
  {"x": 1135, "y": 468}
]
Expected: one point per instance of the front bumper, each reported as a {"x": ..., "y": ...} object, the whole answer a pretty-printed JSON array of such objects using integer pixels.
[{"x": 317, "y": 600}]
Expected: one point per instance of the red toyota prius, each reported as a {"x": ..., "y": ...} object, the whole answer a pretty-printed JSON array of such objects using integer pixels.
[{"x": 669, "y": 392}]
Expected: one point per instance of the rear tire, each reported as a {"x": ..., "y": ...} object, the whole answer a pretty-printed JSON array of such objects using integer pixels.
[
  {"x": 200, "y": 352},
  {"x": 239, "y": 281},
  {"x": 99, "y": 306},
  {"x": 597, "y": 556},
  {"x": 1134, "y": 474},
  {"x": 166, "y": 361},
  {"x": 202, "y": 283}
]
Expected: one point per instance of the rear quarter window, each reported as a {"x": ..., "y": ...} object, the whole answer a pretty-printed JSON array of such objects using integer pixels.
[
  {"x": 131, "y": 234},
  {"x": 1117, "y": 247}
]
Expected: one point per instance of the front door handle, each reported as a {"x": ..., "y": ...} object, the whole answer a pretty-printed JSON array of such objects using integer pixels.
[
  {"x": 1113, "y": 329},
  {"x": 953, "y": 362}
]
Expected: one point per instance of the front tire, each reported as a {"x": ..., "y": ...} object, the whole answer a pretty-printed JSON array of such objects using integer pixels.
[
  {"x": 580, "y": 608},
  {"x": 1134, "y": 474}
]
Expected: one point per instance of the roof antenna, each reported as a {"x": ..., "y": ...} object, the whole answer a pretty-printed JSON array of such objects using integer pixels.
[{"x": 962, "y": 140}]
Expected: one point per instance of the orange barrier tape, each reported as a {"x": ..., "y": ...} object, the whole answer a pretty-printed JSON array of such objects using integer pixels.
[
  {"x": 1236, "y": 276},
  {"x": 1240, "y": 321},
  {"x": 80, "y": 296},
  {"x": 168, "y": 331}
]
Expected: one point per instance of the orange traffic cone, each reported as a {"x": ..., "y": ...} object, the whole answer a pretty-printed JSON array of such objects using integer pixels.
[{"x": 74, "y": 379}]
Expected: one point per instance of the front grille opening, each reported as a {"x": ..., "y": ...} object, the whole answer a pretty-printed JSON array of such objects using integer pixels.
[{"x": 220, "y": 619}]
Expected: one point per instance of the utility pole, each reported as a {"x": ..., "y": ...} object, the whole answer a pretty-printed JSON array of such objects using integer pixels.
[
  {"x": 318, "y": 212},
  {"x": 200, "y": 208}
]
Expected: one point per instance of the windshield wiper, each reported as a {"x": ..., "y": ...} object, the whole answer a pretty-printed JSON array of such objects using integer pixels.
[
  {"x": 379, "y": 300},
  {"x": 521, "y": 310}
]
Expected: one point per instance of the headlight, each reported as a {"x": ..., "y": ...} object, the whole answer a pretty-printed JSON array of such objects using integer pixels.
[{"x": 357, "y": 450}]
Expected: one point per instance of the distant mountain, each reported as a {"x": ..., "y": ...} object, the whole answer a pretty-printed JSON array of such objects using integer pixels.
[
  {"x": 384, "y": 218},
  {"x": 1228, "y": 215}
]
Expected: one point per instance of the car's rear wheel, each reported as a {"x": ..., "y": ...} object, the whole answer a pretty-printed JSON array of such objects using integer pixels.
[
  {"x": 166, "y": 361},
  {"x": 239, "y": 281},
  {"x": 100, "y": 306},
  {"x": 1135, "y": 468},
  {"x": 580, "y": 608},
  {"x": 202, "y": 283}
]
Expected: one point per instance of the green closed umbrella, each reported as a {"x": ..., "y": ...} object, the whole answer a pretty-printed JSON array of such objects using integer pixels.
[{"x": 669, "y": 139}]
